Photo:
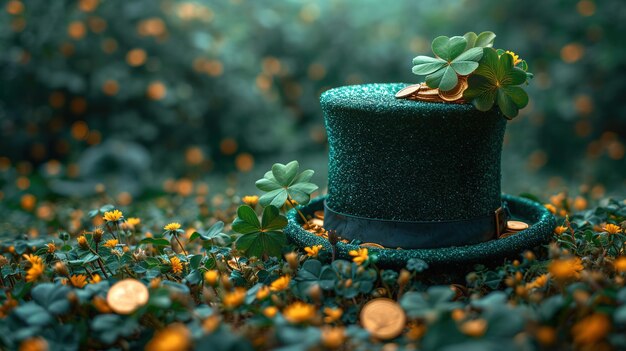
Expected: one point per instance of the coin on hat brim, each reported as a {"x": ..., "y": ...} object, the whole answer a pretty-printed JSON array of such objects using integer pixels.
[
  {"x": 372, "y": 245},
  {"x": 408, "y": 91},
  {"x": 516, "y": 225},
  {"x": 383, "y": 318},
  {"x": 127, "y": 295},
  {"x": 506, "y": 235},
  {"x": 319, "y": 214},
  {"x": 455, "y": 93}
]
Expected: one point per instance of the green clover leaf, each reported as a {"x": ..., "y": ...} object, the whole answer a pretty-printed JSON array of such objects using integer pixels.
[
  {"x": 213, "y": 234},
  {"x": 496, "y": 81},
  {"x": 263, "y": 238},
  {"x": 452, "y": 60},
  {"x": 482, "y": 40},
  {"x": 282, "y": 182}
]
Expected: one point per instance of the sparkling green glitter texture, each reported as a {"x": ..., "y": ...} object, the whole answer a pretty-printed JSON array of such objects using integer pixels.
[
  {"x": 449, "y": 259},
  {"x": 407, "y": 160}
]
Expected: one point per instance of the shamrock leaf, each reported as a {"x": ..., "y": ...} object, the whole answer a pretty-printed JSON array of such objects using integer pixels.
[
  {"x": 496, "y": 81},
  {"x": 482, "y": 40},
  {"x": 260, "y": 238},
  {"x": 452, "y": 60},
  {"x": 283, "y": 182},
  {"x": 214, "y": 233}
]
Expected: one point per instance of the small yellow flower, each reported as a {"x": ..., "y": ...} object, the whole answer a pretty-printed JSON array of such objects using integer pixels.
[
  {"x": 32, "y": 259},
  {"x": 516, "y": 58},
  {"x": 612, "y": 229},
  {"x": 177, "y": 266},
  {"x": 211, "y": 276},
  {"x": 250, "y": 200},
  {"x": 172, "y": 226},
  {"x": 95, "y": 279},
  {"x": 474, "y": 328},
  {"x": 100, "y": 303},
  {"x": 313, "y": 251},
  {"x": 281, "y": 283},
  {"x": 133, "y": 221},
  {"x": 565, "y": 269},
  {"x": 113, "y": 216},
  {"x": 35, "y": 271},
  {"x": 235, "y": 298},
  {"x": 82, "y": 242},
  {"x": 263, "y": 292},
  {"x": 299, "y": 312},
  {"x": 211, "y": 323},
  {"x": 51, "y": 247},
  {"x": 550, "y": 207},
  {"x": 359, "y": 256},
  {"x": 332, "y": 314},
  {"x": 175, "y": 337},
  {"x": 111, "y": 244},
  {"x": 538, "y": 282},
  {"x": 591, "y": 330},
  {"x": 560, "y": 230},
  {"x": 333, "y": 337},
  {"x": 78, "y": 280},
  {"x": 620, "y": 264},
  {"x": 270, "y": 311}
]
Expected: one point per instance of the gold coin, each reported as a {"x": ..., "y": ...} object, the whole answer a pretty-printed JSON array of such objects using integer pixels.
[
  {"x": 516, "y": 226},
  {"x": 372, "y": 245},
  {"x": 408, "y": 91},
  {"x": 456, "y": 93},
  {"x": 319, "y": 214},
  {"x": 127, "y": 295},
  {"x": 506, "y": 235},
  {"x": 383, "y": 318}
]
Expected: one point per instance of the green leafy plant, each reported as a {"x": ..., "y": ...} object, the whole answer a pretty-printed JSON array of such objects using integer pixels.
[
  {"x": 284, "y": 182},
  {"x": 260, "y": 239},
  {"x": 496, "y": 81},
  {"x": 456, "y": 56}
]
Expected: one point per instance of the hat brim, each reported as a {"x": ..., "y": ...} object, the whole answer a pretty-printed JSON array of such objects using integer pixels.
[{"x": 541, "y": 225}]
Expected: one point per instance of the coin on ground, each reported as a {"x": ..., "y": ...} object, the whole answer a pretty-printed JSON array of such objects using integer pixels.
[
  {"x": 408, "y": 91},
  {"x": 383, "y": 318},
  {"x": 506, "y": 235},
  {"x": 127, "y": 295},
  {"x": 372, "y": 245},
  {"x": 516, "y": 226},
  {"x": 319, "y": 214},
  {"x": 317, "y": 222}
]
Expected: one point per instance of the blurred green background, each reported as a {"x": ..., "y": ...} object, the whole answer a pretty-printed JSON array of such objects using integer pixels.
[{"x": 143, "y": 96}]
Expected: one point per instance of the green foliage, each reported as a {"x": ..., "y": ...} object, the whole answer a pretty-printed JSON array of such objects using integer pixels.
[
  {"x": 284, "y": 182},
  {"x": 496, "y": 81},
  {"x": 260, "y": 239}
]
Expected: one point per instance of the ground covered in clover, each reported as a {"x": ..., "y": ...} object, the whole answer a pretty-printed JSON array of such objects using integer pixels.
[{"x": 212, "y": 287}]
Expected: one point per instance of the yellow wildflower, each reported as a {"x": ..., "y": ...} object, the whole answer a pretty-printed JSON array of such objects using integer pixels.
[
  {"x": 82, "y": 242},
  {"x": 78, "y": 280},
  {"x": 281, "y": 283},
  {"x": 51, "y": 247},
  {"x": 474, "y": 328},
  {"x": 235, "y": 298},
  {"x": 133, "y": 221},
  {"x": 620, "y": 264},
  {"x": 360, "y": 255},
  {"x": 177, "y": 266},
  {"x": 263, "y": 292},
  {"x": 299, "y": 312},
  {"x": 35, "y": 271},
  {"x": 516, "y": 58},
  {"x": 270, "y": 311},
  {"x": 32, "y": 259},
  {"x": 538, "y": 282},
  {"x": 612, "y": 229},
  {"x": 111, "y": 244},
  {"x": 175, "y": 337},
  {"x": 95, "y": 279},
  {"x": 550, "y": 207},
  {"x": 580, "y": 203},
  {"x": 172, "y": 226},
  {"x": 560, "y": 230},
  {"x": 113, "y": 216},
  {"x": 591, "y": 329},
  {"x": 211, "y": 276},
  {"x": 565, "y": 269},
  {"x": 332, "y": 314},
  {"x": 333, "y": 337},
  {"x": 251, "y": 200},
  {"x": 313, "y": 251}
]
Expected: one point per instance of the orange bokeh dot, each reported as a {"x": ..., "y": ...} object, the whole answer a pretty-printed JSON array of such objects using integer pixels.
[
  {"x": 94, "y": 137},
  {"x": 184, "y": 187},
  {"x": 316, "y": 71},
  {"x": 271, "y": 65},
  {"x": 56, "y": 99},
  {"x": 537, "y": 159},
  {"x": 53, "y": 167},
  {"x": 136, "y": 57},
  {"x": 88, "y": 5},
  {"x": 5, "y": 163},
  {"x": 586, "y": 8},
  {"x": 80, "y": 130},
  {"x": 78, "y": 105},
  {"x": 28, "y": 201},
  {"x": 156, "y": 91},
  {"x": 228, "y": 146},
  {"x": 97, "y": 24},
  {"x": 73, "y": 170},
  {"x": 151, "y": 27},
  {"x": 244, "y": 162},
  {"x": 124, "y": 198},
  {"x": 583, "y": 104},
  {"x": 45, "y": 212},
  {"x": 109, "y": 45},
  {"x": 22, "y": 183},
  {"x": 76, "y": 30},
  {"x": 15, "y": 7},
  {"x": 615, "y": 150},
  {"x": 194, "y": 156},
  {"x": 263, "y": 82},
  {"x": 572, "y": 52},
  {"x": 110, "y": 87}
]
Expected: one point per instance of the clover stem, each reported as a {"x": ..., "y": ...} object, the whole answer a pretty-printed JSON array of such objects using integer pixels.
[
  {"x": 289, "y": 200},
  {"x": 181, "y": 245}
]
